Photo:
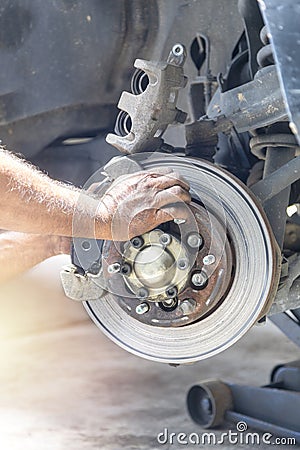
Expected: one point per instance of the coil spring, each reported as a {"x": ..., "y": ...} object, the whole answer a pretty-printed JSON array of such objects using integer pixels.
[
  {"x": 259, "y": 144},
  {"x": 265, "y": 54}
]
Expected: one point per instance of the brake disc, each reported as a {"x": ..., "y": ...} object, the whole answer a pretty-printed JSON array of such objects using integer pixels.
[{"x": 237, "y": 256}]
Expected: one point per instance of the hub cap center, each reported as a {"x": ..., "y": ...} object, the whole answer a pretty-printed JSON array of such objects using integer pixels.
[{"x": 154, "y": 266}]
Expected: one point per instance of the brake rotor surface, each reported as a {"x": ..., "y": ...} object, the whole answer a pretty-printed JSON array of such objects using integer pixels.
[{"x": 242, "y": 273}]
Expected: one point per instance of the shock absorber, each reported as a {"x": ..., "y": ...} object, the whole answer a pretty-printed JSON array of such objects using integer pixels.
[{"x": 276, "y": 146}]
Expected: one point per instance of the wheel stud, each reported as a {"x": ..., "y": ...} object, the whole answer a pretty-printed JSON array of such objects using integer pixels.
[
  {"x": 142, "y": 308},
  {"x": 200, "y": 279},
  {"x": 209, "y": 259}
]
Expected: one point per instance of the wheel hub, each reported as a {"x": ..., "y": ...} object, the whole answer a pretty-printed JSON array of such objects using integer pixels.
[
  {"x": 176, "y": 276},
  {"x": 154, "y": 264}
]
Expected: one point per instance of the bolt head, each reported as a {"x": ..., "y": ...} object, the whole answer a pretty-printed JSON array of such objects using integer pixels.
[
  {"x": 165, "y": 239},
  {"x": 178, "y": 50},
  {"x": 182, "y": 263},
  {"x": 142, "y": 308},
  {"x": 142, "y": 293},
  {"x": 137, "y": 242},
  {"x": 209, "y": 259},
  {"x": 125, "y": 269},
  {"x": 195, "y": 240},
  {"x": 86, "y": 245},
  {"x": 171, "y": 292},
  {"x": 199, "y": 279}
]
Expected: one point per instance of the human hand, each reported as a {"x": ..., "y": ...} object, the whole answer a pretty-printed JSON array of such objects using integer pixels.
[{"x": 139, "y": 202}]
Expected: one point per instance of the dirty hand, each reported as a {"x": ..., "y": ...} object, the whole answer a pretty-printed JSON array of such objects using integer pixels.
[{"x": 139, "y": 202}]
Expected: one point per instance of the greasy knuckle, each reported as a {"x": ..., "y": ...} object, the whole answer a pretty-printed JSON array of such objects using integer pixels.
[
  {"x": 156, "y": 195},
  {"x": 177, "y": 190},
  {"x": 147, "y": 179},
  {"x": 152, "y": 174}
]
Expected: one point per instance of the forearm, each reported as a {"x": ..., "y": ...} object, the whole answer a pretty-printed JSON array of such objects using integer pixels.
[
  {"x": 33, "y": 203},
  {"x": 20, "y": 252}
]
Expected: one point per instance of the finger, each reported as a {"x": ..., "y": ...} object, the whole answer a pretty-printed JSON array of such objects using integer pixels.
[
  {"x": 184, "y": 183},
  {"x": 147, "y": 174},
  {"x": 167, "y": 178},
  {"x": 173, "y": 194},
  {"x": 176, "y": 211},
  {"x": 168, "y": 181}
]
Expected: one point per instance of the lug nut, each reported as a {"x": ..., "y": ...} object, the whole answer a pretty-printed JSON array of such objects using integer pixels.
[
  {"x": 137, "y": 242},
  {"x": 209, "y": 259},
  {"x": 182, "y": 263},
  {"x": 114, "y": 268},
  {"x": 125, "y": 269},
  {"x": 142, "y": 308},
  {"x": 165, "y": 239},
  {"x": 195, "y": 240},
  {"x": 200, "y": 279},
  {"x": 142, "y": 293},
  {"x": 171, "y": 292},
  {"x": 170, "y": 304}
]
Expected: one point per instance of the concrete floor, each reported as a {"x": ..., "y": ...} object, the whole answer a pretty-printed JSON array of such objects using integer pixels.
[{"x": 64, "y": 385}]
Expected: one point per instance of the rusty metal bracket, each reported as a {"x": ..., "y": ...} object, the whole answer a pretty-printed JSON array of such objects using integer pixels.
[{"x": 253, "y": 105}]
